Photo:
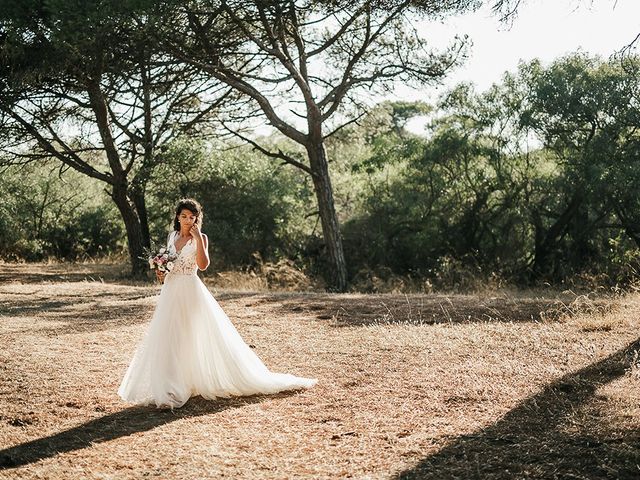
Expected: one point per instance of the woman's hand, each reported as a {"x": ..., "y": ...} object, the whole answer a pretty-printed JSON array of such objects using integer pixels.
[
  {"x": 160, "y": 276},
  {"x": 195, "y": 231}
]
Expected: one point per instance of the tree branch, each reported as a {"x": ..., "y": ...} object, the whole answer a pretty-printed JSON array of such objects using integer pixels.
[
  {"x": 279, "y": 154},
  {"x": 68, "y": 156}
]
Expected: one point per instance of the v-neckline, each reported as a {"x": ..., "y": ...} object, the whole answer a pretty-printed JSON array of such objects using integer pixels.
[{"x": 174, "y": 244}]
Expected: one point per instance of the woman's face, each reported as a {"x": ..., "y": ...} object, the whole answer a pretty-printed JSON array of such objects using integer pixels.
[{"x": 187, "y": 218}]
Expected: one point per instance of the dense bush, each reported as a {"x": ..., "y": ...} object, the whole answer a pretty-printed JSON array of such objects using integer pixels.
[
  {"x": 47, "y": 213},
  {"x": 533, "y": 180}
]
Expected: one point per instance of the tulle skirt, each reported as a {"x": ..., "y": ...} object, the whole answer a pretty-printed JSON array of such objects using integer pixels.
[{"x": 190, "y": 348}]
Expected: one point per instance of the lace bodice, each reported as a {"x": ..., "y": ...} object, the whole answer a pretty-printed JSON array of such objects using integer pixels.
[{"x": 185, "y": 264}]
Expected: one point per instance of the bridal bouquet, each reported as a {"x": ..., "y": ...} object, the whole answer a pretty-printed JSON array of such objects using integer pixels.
[{"x": 162, "y": 261}]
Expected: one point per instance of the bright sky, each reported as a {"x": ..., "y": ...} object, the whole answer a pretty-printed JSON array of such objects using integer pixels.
[{"x": 544, "y": 29}]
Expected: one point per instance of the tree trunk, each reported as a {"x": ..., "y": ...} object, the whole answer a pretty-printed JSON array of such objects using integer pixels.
[
  {"x": 470, "y": 225},
  {"x": 135, "y": 238},
  {"x": 328, "y": 216},
  {"x": 120, "y": 193},
  {"x": 546, "y": 242},
  {"x": 137, "y": 195},
  {"x": 632, "y": 229}
]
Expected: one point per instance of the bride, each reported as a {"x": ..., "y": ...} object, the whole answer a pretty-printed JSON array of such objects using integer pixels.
[{"x": 190, "y": 346}]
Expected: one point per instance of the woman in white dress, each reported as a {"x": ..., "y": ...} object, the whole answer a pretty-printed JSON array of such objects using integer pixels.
[{"x": 190, "y": 346}]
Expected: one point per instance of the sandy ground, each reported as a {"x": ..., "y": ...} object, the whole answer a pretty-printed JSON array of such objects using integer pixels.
[{"x": 498, "y": 385}]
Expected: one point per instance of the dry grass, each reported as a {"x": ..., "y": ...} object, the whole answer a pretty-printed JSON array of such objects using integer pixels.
[{"x": 410, "y": 386}]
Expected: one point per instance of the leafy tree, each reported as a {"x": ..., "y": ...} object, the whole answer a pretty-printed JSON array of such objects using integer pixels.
[
  {"x": 533, "y": 178},
  {"x": 585, "y": 111},
  {"x": 314, "y": 60},
  {"x": 84, "y": 84},
  {"x": 453, "y": 194}
]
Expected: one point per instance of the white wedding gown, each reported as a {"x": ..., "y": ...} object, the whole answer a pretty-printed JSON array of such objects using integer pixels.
[{"x": 191, "y": 347}]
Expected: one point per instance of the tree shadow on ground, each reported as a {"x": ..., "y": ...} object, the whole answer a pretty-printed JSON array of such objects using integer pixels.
[
  {"x": 77, "y": 313},
  {"x": 117, "y": 425},
  {"x": 35, "y": 273},
  {"x": 338, "y": 310},
  {"x": 99, "y": 311},
  {"x": 360, "y": 310},
  {"x": 540, "y": 438}
]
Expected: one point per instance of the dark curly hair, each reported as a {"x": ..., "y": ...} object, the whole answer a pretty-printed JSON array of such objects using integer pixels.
[{"x": 187, "y": 204}]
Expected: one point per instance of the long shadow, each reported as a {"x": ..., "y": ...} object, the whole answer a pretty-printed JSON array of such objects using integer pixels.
[
  {"x": 541, "y": 438},
  {"x": 72, "y": 316},
  {"x": 69, "y": 319},
  {"x": 40, "y": 273},
  {"x": 54, "y": 304},
  {"x": 120, "y": 424},
  {"x": 427, "y": 309},
  {"x": 339, "y": 310}
]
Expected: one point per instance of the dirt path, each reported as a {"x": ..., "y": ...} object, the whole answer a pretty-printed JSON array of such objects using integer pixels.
[{"x": 419, "y": 386}]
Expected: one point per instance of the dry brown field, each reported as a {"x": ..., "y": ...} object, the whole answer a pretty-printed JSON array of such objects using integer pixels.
[{"x": 493, "y": 385}]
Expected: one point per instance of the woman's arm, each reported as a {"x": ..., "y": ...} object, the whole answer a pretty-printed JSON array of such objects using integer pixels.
[{"x": 202, "y": 252}]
